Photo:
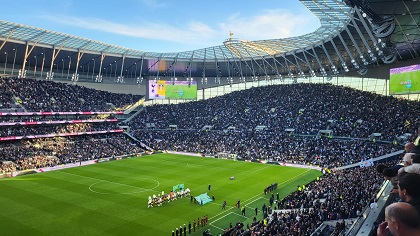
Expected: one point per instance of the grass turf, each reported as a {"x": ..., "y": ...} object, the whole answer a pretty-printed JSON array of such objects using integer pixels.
[{"x": 111, "y": 198}]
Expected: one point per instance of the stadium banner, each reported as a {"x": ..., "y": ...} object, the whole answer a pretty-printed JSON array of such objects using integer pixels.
[
  {"x": 366, "y": 163},
  {"x": 185, "y": 153},
  {"x": 177, "y": 187},
  {"x": 59, "y": 113},
  {"x": 2, "y": 176},
  {"x": 71, "y": 165},
  {"x": 66, "y": 166},
  {"x": 312, "y": 167},
  {"x": 56, "y": 122},
  {"x": 60, "y": 135},
  {"x": 203, "y": 199}
]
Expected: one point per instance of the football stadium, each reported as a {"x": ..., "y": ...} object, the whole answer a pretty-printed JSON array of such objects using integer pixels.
[{"x": 316, "y": 134}]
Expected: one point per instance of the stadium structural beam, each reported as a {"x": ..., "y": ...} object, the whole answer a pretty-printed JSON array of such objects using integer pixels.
[
  {"x": 217, "y": 79},
  {"x": 264, "y": 60},
  {"x": 297, "y": 64},
  {"x": 408, "y": 41},
  {"x": 7, "y": 38},
  {"x": 141, "y": 66},
  {"x": 238, "y": 67},
  {"x": 353, "y": 61},
  {"x": 289, "y": 73},
  {"x": 321, "y": 67},
  {"x": 55, "y": 53},
  {"x": 256, "y": 51},
  {"x": 189, "y": 66},
  {"x": 243, "y": 60},
  {"x": 343, "y": 62},
  {"x": 122, "y": 64},
  {"x": 174, "y": 65},
  {"x": 30, "y": 51},
  {"x": 229, "y": 63},
  {"x": 103, "y": 55},
  {"x": 355, "y": 44},
  {"x": 42, "y": 65},
  {"x": 368, "y": 30},
  {"x": 204, "y": 66},
  {"x": 333, "y": 67},
  {"x": 311, "y": 71},
  {"x": 79, "y": 56},
  {"x": 369, "y": 50},
  {"x": 68, "y": 69},
  {"x": 253, "y": 59}
]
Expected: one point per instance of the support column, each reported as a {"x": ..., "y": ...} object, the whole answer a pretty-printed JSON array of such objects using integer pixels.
[
  {"x": 7, "y": 38},
  {"x": 79, "y": 56}
]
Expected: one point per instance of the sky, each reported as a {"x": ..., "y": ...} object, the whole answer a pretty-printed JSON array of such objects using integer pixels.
[{"x": 165, "y": 25}]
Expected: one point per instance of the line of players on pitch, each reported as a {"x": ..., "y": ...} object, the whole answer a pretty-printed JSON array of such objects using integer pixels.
[{"x": 164, "y": 198}]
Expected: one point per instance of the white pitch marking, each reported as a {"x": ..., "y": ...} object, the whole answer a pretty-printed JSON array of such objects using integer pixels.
[{"x": 102, "y": 180}]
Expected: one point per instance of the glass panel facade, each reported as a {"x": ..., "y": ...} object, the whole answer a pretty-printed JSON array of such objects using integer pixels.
[{"x": 373, "y": 85}]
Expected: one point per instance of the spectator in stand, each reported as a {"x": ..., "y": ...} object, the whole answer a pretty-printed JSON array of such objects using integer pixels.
[
  {"x": 414, "y": 167},
  {"x": 408, "y": 147},
  {"x": 408, "y": 189},
  {"x": 407, "y": 159},
  {"x": 402, "y": 219}
]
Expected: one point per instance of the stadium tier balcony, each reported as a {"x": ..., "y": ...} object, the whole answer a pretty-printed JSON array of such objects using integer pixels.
[
  {"x": 31, "y": 130},
  {"x": 52, "y": 96},
  {"x": 307, "y": 108}
]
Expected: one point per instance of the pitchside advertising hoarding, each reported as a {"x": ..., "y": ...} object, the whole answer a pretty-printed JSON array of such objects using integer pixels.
[
  {"x": 162, "y": 89},
  {"x": 404, "y": 80}
]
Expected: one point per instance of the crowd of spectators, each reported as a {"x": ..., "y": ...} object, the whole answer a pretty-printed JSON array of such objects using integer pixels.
[
  {"x": 352, "y": 116},
  {"x": 306, "y": 108},
  {"x": 27, "y": 154},
  {"x": 37, "y": 95},
  {"x": 46, "y": 118},
  {"x": 7, "y": 131},
  {"x": 5, "y": 96},
  {"x": 336, "y": 196},
  {"x": 270, "y": 146}
]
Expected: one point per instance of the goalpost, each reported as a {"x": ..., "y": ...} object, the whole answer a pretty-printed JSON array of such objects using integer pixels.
[{"x": 225, "y": 155}]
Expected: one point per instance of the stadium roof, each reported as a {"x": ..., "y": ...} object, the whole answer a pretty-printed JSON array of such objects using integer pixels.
[
  {"x": 332, "y": 14},
  {"x": 354, "y": 35}
]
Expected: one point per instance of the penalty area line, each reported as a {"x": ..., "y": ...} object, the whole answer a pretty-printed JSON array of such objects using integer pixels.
[{"x": 216, "y": 227}]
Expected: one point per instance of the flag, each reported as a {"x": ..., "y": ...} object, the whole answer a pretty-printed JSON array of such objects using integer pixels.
[{"x": 366, "y": 163}]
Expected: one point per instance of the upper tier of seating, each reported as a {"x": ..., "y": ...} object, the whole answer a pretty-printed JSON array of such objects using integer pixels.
[
  {"x": 37, "y": 95},
  {"x": 307, "y": 108}
]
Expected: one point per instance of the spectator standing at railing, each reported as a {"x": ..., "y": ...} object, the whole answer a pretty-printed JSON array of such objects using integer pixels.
[
  {"x": 409, "y": 189},
  {"x": 401, "y": 219}
]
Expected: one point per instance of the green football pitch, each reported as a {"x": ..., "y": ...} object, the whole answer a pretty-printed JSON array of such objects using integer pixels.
[{"x": 111, "y": 198}]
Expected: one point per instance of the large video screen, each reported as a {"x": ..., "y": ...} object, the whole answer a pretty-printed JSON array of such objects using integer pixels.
[
  {"x": 162, "y": 89},
  {"x": 404, "y": 80}
]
